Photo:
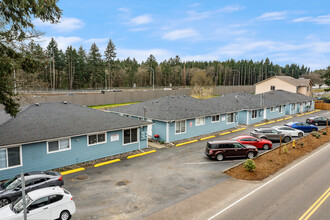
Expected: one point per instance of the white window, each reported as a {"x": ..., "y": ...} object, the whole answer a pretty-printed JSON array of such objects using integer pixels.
[
  {"x": 230, "y": 117},
  {"x": 97, "y": 138},
  {"x": 215, "y": 118},
  {"x": 280, "y": 109},
  {"x": 254, "y": 113},
  {"x": 200, "y": 121},
  {"x": 180, "y": 127},
  {"x": 271, "y": 109},
  {"x": 58, "y": 145},
  {"x": 272, "y": 87},
  {"x": 10, "y": 157},
  {"x": 293, "y": 106},
  {"x": 130, "y": 136}
]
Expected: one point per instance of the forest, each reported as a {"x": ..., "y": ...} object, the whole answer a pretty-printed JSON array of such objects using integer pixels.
[{"x": 78, "y": 68}]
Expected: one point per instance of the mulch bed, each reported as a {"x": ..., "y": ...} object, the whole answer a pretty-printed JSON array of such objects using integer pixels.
[{"x": 272, "y": 161}]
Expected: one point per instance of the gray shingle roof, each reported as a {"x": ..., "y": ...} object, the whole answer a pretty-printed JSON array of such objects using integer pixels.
[{"x": 56, "y": 120}]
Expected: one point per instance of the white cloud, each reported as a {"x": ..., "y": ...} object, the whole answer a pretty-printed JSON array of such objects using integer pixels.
[
  {"x": 142, "y": 19},
  {"x": 269, "y": 16},
  {"x": 142, "y": 55},
  {"x": 62, "y": 42},
  {"x": 65, "y": 25},
  {"x": 325, "y": 19},
  {"x": 231, "y": 8},
  {"x": 193, "y": 15},
  {"x": 123, "y": 9},
  {"x": 180, "y": 34},
  {"x": 97, "y": 40},
  {"x": 138, "y": 29},
  {"x": 194, "y": 5}
]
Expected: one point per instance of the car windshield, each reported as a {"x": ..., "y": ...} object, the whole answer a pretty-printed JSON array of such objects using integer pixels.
[
  {"x": 17, "y": 206},
  {"x": 8, "y": 182},
  {"x": 14, "y": 184}
]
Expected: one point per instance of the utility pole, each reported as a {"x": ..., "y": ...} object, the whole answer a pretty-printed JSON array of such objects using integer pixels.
[
  {"x": 23, "y": 196},
  {"x": 53, "y": 71},
  {"x": 184, "y": 75}
]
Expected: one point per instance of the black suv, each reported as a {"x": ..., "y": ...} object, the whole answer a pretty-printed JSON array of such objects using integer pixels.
[
  {"x": 271, "y": 134},
  {"x": 225, "y": 149},
  {"x": 318, "y": 120},
  {"x": 11, "y": 189}
]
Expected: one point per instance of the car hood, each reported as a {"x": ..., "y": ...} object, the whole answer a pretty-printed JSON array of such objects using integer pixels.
[
  {"x": 6, "y": 212},
  {"x": 265, "y": 140},
  {"x": 249, "y": 146}
]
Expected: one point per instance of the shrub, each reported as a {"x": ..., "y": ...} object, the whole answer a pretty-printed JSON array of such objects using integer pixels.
[
  {"x": 249, "y": 165},
  {"x": 162, "y": 142},
  {"x": 285, "y": 149},
  {"x": 316, "y": 134},
  {"x": 324, "y": 133}
]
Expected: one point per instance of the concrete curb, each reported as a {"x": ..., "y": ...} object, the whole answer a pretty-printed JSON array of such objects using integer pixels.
[
  {"x": 107, "y": 162},
  {"x": 72, "y": 171},
  {"x": 137, "y": 155}
]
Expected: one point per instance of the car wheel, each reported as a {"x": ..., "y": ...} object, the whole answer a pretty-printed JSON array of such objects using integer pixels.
[
  {"x": 4, "y": 202},
  {"x": 300, "y": 134},
  {"x": 265, "y": 147},
  {"x": 250, "y": 155},
  {"x": 65, "y": 215},
  {"x": 313, "y": 129},
  {"x": 220, "y": 157},
  {"x": 286, "y": 139},
  {"x": 316, "y": 124}
]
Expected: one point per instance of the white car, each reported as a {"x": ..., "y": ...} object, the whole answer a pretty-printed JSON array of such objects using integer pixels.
[
  {"x": 46, "y": 203},
  {"x": 289, "y": 130}
]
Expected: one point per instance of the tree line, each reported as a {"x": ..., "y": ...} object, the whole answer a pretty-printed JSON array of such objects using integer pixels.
[{"x": 80, "y": 69}]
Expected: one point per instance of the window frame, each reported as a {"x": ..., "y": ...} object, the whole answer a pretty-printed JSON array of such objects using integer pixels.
[
  {"x": 97, "y": 143},
  {"x": 272, "y": 108},
  {"x": 256, "y": 114},
  {"x": 280, "y": 110},
  {"x": 199, "y": 118},
  {"x": 137, "y": 136},
  {"x": 233, "y": 118},
  {"x": 7, "y": 161},
  {"x": 59, "y": 150},
  {"x": 294, "y": 106},
  {"x": 272, "y": 88},
  {"x": 215, "y": 120},
  {"x": 185, "y": 127}
]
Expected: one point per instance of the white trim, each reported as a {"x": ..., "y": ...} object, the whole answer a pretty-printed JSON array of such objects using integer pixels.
[
  {"x": 252, "y": 114},
  {"x": 215, "y": 121},
  {"x": 59, "y": 150},
  {"x": 280, "y": 107},
  {"x": 167, "y": 132},
  {"x": 271, "y": 109},
  {"x": 20, "y": 158},
  {"x": 137, "y": 139},
  {"x": 233, "y": 118},
  {"x": 199, "y": 124},
  {"x": 97, "y": 143},
  {"x": 185, "y": 121},
  {"x": 247, "y": 117},
  {"x": 265, "y": 114}
]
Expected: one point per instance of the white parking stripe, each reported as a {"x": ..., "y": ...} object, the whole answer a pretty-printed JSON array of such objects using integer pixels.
[{"x": 228, "y": 161}]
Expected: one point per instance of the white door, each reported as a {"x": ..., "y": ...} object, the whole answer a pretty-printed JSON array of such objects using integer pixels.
[
  {"x": 301, "y": 108},
  {"x": 39, "y": 209},
  {"x": 149, "y": 131},
  {"x": 265, "y": 113}
]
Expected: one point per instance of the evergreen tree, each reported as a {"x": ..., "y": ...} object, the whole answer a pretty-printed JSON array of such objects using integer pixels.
[
  {"x": 95, "y": 67},
  {"x": 110, "y": 55}
]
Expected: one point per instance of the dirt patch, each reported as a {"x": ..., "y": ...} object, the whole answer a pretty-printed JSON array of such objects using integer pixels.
[{"x": 272, "y": 161}]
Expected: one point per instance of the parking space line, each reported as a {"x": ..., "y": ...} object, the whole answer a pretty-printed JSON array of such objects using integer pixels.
[
  {"x": 207, "y": 137},
  {"x": 137, "y": 155},
  {"x": 224, "y": 133},
  {"x": 186, "y": 143},
  {"x": 107, "y": 162},
  {"x": 72, "y": 171},
  {"x": 224, "y": 161}
]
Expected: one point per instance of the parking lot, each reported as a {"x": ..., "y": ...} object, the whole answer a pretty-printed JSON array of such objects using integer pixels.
[{"x": 135, "y": 188}]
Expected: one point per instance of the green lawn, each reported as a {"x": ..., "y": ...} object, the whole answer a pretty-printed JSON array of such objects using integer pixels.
[
  {"x": 318, "y": 90},
  {"x": 111, "y": 105}
]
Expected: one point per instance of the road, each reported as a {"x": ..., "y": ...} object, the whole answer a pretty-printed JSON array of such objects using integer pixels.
[
  {"x": 290, "y": 194},
  {"x": 140, "y": 187}
]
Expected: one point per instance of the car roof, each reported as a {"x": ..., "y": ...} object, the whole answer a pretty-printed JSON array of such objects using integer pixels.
[
  {"x": 243, "y": 136},
  {"x": 45, "y": 192},
  {"x": 223, "y": 142},
  {"x": 262, "y": 128},
  {"x": 39, "y": 173}
]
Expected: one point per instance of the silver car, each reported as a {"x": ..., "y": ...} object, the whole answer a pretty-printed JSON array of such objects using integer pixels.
[{"x": 271, "y": 134}]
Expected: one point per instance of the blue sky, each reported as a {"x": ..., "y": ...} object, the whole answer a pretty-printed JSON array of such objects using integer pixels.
[{"x": 284, "y": 31}]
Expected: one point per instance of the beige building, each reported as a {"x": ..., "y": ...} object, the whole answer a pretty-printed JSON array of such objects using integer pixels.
[{"x": 287, "y": 83}]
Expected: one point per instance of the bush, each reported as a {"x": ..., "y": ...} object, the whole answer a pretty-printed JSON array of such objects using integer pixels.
[
  {"x": 249, "y": 165},
  {"x": 316, "y": 134},
  {"x": 285, "y": 149},
  {"x": 162, "y": 142},
  {"x": 324, "y": 133}
]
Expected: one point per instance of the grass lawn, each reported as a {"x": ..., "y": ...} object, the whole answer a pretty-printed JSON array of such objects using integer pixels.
[
  {"x": 318, "y": 90},
  {"x": 111, "y": 105}
]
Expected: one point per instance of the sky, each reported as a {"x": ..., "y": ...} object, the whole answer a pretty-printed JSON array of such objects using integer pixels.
[{"x": 285, "y": 31}]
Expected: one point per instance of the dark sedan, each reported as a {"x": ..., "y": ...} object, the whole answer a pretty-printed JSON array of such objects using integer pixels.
[
  {"x": 317, "y": 120},
  {"x": 12, "y": 188},
  {"x": 302, "y": 126}
]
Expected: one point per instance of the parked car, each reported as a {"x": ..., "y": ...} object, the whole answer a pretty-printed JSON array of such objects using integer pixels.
[
  {"x": 288, "y": 130},
  {"x": 225, "y": 149},
  {"x": 46, "y": 203},
  {"x": 258, "y": 143},
  {"x": 318, "y": 120},
  {"x": 271, "y": 134},
  {"x": 11, "y": 189},
  {"x": 302, "y": 126}
]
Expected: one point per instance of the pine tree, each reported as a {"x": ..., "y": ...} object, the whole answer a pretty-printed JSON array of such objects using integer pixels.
[{"x": 110, "y": 55}]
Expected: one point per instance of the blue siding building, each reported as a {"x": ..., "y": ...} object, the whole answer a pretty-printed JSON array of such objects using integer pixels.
[{"x": 52, "y": 135}]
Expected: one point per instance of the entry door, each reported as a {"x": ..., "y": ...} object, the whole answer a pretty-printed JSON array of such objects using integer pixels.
[
  {"x": 149, "y": 131},
  {"x": 301, "y": 108}
]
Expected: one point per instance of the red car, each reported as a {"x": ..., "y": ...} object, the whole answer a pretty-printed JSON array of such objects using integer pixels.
[{"x": 258, "y": 143}]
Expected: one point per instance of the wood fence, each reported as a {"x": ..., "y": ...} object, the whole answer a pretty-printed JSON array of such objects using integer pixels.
[{"x": 323, "y": 106}]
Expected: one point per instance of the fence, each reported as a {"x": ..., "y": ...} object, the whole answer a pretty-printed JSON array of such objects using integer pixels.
[{"x": 323, "y": 106}]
